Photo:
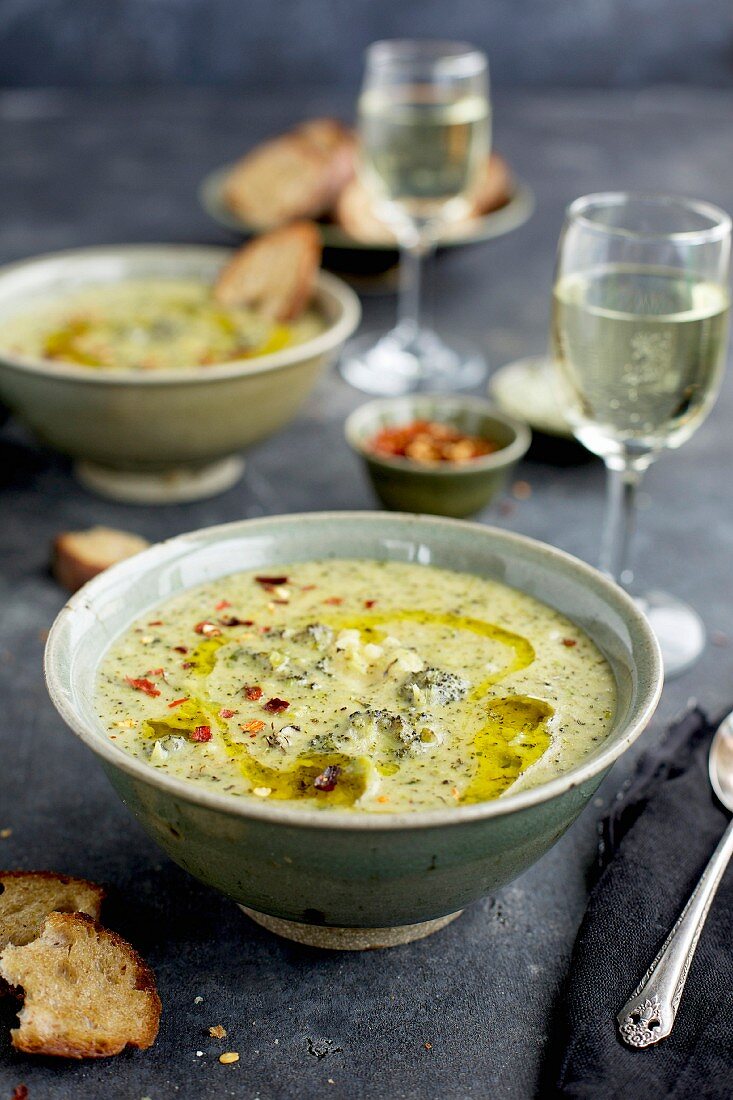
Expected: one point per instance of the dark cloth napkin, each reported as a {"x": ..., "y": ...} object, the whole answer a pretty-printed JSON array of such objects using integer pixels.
[{"x": 654, "y": 844}]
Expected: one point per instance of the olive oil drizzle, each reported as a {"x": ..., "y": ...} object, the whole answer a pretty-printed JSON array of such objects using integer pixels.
[{"x": 512, "y": 734}]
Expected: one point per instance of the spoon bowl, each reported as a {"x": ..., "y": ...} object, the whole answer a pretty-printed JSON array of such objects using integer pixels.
[{"x": 720, "y": 763}]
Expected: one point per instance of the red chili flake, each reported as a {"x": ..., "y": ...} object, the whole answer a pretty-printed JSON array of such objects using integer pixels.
[
  {"x": 253, "y": 691},
  {"x": 144, "y": 685},
  {"x": 155, "y": 672},
  {"x": 177, "y": 702},
  {"x": 430, "y": 442},
  {"x": 188, "y": 664},
  {"x": 201, "y": 733},
  {"x": 226, "y": 713},
  {"x": 253, "y": 726},
  {"x": 328, "y": 778},
  {"x": 271, "y": 582},
  {"x": 308, "y": 587},
  {"x": 209, "y": 630},
  {"x": 369, "y": 603},
  {"x": 221, "y": 605},
  {"x": 180, "y": 649},
  {"x": 265, "y": 629},
  {"x": 569, "y": 642},
  {"x": 334, "y": 600},
  {"x": 232, "y": 620},
  {"x": 156, "y": 622},
  {"x": 274, "y": 706}
]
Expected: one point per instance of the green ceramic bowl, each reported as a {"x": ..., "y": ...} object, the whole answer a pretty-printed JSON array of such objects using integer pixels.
[
  {"x": 447, "y": 489},
  {"x": 158, "y": 437},
  {"x": 346, "y": 879}
]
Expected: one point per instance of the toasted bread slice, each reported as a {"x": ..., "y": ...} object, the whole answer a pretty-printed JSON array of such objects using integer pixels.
[
  {"x": 326, "y": 134},
  {"x": 86, "y": 992},
  {"x": 494, "y": 186},
  {"x": 79, "y": 555},
  {"x": 274, "y": 274},
  {"x": 27, "y": 898},
  {"x": 356, "y": 215},
  {"x": 296, "y": 175}
]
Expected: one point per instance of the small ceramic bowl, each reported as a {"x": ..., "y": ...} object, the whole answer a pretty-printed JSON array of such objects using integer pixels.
[
  {"x": 164, "y": 436},
  {"x": 344, "y": 879},
  {"x": 445, "y": 489}
]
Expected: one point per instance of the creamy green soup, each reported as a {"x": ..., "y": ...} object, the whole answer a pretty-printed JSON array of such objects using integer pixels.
[
  {"x": 363, "y": 685},
  {"x": 148, "y": 325}
]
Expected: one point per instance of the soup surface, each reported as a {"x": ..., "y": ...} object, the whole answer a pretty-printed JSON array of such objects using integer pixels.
[
  {"x": 147, "y": 325},
  {"x": 373, "y": 686}
]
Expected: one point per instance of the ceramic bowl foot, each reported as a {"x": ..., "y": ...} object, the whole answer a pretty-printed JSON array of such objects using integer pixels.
[
  {"x": 349, "y": 939},
  {"x": 174, "y": 486}
]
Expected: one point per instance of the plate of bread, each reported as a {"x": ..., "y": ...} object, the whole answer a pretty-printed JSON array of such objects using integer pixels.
[{"x": 310, "y": 172}]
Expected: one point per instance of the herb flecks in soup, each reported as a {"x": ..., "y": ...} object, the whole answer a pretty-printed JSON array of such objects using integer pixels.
[
  {"x": 148, "y": 325},
  {"x": 372, "y": 686}
]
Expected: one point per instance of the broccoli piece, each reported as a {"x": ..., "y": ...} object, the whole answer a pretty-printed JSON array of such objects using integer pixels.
[
  {"x": 317, "y": 634},
  {"x": 381, "y": 722},
  {"x": 434, "y": 686}
]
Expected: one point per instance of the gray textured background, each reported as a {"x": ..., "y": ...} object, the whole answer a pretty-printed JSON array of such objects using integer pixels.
[{"x": 276, "y": 43}]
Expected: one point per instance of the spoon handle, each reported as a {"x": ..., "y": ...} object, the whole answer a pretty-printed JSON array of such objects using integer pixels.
[{"x": 649, "y": 1014}]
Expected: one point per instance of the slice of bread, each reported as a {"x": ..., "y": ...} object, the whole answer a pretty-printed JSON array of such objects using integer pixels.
[
  {"x": 274, "y": 274},
  {"x": 296, "y": 175},
  {"x": 356, "y": 215},
  {"x": 494, "y": 187},
  {"x": 86, "y": 992},
  {"x": 78, "y": 556},
  {"x": 27, "y": 898}
]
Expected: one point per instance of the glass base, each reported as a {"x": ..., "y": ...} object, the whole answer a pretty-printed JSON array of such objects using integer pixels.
[
  {"x": 679, "y": 630},
  {"x": 394, "y": 364}
]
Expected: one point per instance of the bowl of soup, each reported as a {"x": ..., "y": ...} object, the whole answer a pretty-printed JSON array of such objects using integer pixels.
[
  {"x": 120, "y": 358},
  {"x": 354, "y": 724}
]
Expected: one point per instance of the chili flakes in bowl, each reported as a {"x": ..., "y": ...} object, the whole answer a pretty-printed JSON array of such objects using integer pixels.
[{"x": 430, "y": 442}]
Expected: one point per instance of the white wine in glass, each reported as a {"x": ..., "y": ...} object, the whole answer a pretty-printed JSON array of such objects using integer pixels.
[
  {"x": 639, "y": 335},
  {"x": 425, "y": 133},
  {"x": 422, "y": 150}
]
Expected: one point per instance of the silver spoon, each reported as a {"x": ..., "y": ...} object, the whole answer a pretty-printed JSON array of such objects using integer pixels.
[{"x": 649, "y": 1014}]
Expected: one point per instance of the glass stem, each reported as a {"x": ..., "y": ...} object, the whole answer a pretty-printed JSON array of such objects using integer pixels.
[
  {"x": 413, "y": 253},
  {"x": 624, "y": 479}
]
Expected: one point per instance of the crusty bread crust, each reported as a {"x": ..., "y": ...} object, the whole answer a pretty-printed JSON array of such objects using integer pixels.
[
  {"x": 77, "y": 556},
  {"x": 27, "y": 898},
  {"x": 494, "y": 187},
  {"x": 296, "y": 175},
  {"x": 87, "y": 993},
  {"x": 274, "y": 274}
]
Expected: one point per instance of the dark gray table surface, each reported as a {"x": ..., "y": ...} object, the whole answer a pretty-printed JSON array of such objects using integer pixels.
[{"x": 108, "y": 167}]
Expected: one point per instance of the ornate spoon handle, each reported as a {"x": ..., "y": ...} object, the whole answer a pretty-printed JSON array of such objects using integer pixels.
[{"x": 649, "y": 1014}]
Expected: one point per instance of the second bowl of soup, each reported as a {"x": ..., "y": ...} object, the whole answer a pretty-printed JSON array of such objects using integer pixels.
[{"x": 119, "y": 357}]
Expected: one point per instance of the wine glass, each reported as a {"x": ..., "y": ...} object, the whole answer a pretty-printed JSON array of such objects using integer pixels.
[
  {"x": 424, "y": 127},
  {"x": 639, "y": 333}
]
